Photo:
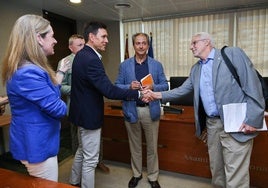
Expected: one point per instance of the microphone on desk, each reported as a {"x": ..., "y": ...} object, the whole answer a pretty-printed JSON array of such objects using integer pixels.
[{"x": 172, "y": 109}]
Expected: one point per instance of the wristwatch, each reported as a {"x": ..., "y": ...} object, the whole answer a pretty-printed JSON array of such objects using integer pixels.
[
  {"x": 61, "y": 72},
  {"x": 140, "y": 95}
]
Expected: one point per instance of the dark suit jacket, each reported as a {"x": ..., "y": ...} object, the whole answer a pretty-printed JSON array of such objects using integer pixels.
[{"x": 89, "y": 84}]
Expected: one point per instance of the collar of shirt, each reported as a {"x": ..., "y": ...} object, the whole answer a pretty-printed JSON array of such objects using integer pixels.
[
  {"x": 144, "y": 62},
  {"x": 98, "y": 54},
  {"x": 210, "y": 57}
]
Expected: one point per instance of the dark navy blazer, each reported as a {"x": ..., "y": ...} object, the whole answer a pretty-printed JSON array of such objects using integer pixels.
[{"x": 89, "y": 84}]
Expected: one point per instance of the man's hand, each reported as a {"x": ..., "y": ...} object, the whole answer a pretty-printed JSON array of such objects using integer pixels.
[
  {"x": 65, "y": 65},
  {"x": 149, "y": 95},
  {"x": 247, "y": 129},
  {"x": 135, "y": 85},
  {"x": 150, "y": 87}
]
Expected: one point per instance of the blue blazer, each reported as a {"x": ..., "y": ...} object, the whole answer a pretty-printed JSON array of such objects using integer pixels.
[
  {"x": 127, "y": 75},
  {"x": 226, "y": 90},
  {"x": 89, "y": 84},
  {"x": 36, "y": 109}
]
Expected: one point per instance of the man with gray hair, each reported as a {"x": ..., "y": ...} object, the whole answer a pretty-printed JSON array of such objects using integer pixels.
[{"x": 214, "y": 86}]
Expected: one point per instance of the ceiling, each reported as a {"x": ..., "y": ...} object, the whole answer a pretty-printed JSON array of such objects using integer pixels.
[{"x": 140, "y": 9}]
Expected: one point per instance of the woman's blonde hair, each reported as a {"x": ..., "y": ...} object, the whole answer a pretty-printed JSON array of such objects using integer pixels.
[{"x": 23, "y": 46}]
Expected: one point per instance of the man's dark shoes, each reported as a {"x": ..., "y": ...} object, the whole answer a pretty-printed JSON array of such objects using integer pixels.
[
  {"x": 154, "y": 184},
  {"x": 133, "y": 182}
]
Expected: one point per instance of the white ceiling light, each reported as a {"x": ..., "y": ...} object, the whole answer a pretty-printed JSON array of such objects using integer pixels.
[
  {"x": 75, "y": 1},
  {"x": 122, "y": 5}
]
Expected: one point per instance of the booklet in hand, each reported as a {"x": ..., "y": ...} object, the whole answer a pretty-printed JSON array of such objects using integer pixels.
[{"x": 147, "y": 80}]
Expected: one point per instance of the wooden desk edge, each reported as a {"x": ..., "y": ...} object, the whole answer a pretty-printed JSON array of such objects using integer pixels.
[{"x": 17, "y": 178}]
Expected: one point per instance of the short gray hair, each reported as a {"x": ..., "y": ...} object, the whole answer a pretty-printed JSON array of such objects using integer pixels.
[{"x": 205, "y": 35}]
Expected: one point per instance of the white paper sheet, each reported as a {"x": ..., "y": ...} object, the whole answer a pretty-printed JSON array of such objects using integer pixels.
[{"x": 234, "y": 115}]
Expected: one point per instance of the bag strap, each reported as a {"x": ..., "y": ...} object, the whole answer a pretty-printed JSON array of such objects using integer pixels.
[{"x": 230, "y": 65}]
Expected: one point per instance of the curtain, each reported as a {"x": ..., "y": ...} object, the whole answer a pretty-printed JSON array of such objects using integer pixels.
[
  {"x": 252, "y": 36},
  {"x": 246, "y": 29}
]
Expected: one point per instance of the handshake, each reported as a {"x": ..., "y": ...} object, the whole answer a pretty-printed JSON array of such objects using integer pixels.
[{"x": 146, "y": 93}]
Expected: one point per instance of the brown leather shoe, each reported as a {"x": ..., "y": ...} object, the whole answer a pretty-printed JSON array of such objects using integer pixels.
[{"x": 103, "y": 168}]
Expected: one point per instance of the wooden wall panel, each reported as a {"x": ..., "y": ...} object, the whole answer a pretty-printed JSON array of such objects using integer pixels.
[{"x": 179, "y": 149}]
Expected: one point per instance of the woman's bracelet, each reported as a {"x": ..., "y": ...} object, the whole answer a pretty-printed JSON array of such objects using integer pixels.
[{"x": 63, "y": 73}]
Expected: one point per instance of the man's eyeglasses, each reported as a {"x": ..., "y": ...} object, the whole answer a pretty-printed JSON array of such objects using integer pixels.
[{"x": 195, "y": 42}]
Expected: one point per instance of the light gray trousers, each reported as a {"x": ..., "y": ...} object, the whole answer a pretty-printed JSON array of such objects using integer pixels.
[{"x": 86, "y": 158}]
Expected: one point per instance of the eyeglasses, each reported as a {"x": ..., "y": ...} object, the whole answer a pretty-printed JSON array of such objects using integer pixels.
[{"x": 195, "y": 42}]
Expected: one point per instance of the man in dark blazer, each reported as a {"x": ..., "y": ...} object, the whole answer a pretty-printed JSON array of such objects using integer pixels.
[
  {"x": 214, "y": 86},
  {"x": 89, "y": 85}
]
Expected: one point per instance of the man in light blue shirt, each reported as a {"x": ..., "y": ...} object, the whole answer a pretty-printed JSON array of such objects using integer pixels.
[{"x": 214, "y": 86}]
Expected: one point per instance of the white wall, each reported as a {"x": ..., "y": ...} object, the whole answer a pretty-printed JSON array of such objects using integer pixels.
[{"x": 111, "y": 57}]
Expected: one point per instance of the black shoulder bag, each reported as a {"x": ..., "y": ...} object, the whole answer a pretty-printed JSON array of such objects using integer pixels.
[{"x": 234, "y": 73}]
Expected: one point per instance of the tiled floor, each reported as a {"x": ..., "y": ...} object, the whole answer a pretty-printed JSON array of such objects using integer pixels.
[{"x": 120, "y": 174}]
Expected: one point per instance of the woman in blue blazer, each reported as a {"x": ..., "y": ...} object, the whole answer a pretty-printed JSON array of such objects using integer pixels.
[{"x": 34, "y": 96}]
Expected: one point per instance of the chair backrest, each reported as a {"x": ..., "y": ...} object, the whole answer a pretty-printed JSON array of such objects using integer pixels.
[
  {"x": 187, "y": 100},
  {"x": 266, "y": 80}
]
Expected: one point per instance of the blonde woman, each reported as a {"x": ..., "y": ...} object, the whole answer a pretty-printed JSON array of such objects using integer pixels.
[{"x": 33, "y": 90}]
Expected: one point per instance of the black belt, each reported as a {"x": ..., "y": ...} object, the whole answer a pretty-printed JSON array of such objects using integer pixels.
[
  {"x": 142, "y": 105},
  {"x": 214, "y": 117}
]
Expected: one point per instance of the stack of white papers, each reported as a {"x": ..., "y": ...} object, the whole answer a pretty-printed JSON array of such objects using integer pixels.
[{"x": 234, "y": 115}]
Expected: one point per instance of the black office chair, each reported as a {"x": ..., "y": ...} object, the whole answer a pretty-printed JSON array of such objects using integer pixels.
[{"x": 187, "y": 100}]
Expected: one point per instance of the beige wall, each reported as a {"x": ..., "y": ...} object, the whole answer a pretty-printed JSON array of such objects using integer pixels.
[
  {"x": 111, "y": 57},
  {"x": 10, "y": 12}
]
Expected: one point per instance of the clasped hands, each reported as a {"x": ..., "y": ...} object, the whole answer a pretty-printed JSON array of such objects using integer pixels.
[{"x": 147, "y": 94}]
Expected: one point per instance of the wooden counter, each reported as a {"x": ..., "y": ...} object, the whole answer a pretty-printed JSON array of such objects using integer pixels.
[
  {"x": 11, "y": 179},
  {"x": 179, "y": 149}
]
